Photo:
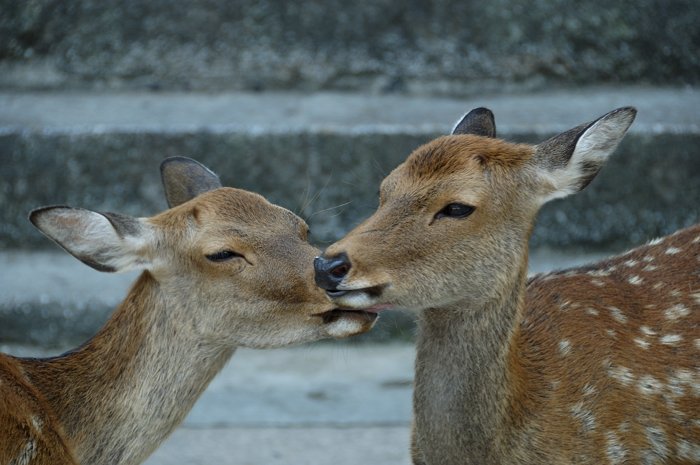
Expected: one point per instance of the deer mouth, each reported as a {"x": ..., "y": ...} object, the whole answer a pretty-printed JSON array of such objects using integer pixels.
[
  {"x": 336, "y": 314},
  {"x": 366, "y": 299},
  {"x": 366, "y": 315}
]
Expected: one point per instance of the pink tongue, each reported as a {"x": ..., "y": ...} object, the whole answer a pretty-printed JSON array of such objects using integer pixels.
[{"x": 376, "y": 308}]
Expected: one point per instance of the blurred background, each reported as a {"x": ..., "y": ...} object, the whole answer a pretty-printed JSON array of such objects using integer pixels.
[{"x": 311, "y": 104}]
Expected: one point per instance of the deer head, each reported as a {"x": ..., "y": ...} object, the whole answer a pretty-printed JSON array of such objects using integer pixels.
[
  {"x": 236, "y": 266},
  {"x": 454, "y": 220}
]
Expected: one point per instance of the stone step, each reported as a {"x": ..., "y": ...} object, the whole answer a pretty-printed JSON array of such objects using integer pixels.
[
  {"x": 449, "y": 47},
  {"x": 324, "y": 155}
]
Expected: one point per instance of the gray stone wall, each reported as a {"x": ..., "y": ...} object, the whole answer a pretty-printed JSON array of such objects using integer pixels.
[
  {"x": 650, "y": 186},
  {"x": 449, "y": 47}
]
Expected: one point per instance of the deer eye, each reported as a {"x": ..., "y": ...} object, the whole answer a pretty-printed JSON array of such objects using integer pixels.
[
  {"x": 455, "y": 210},
  {"x": 223, "y": 256}
]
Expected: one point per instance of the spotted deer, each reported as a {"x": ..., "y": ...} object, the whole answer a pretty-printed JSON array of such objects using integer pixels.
[
  {"x": 222, "y": 268},
  {"x": 593, "y": 365}
]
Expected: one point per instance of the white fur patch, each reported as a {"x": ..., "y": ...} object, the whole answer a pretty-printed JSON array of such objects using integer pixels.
[
  {"x": 564, "y": 347},
  {"x": 646, "y": 331},
  {"x": 671, "y": 339},
  {"x": 623, "y": 375},
  {"x": 615, "y": 450},
  {"x": 618, "y": 315},
  {"x": 676, "y": 312}
]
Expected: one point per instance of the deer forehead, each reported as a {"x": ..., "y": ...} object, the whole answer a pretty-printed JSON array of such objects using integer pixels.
[
  {"x": 462, "y": 168},
  {"x": 460, "y": 153},
  {"x": 228, "y": 211}
]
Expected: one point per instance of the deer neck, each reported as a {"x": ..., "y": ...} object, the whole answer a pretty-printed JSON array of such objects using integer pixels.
[
  {"x": 123, "y": 392},
  {"x": 463, "y": 387}
]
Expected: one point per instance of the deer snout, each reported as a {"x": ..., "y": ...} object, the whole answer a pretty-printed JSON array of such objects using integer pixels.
[{"x": 330, "y": 272}]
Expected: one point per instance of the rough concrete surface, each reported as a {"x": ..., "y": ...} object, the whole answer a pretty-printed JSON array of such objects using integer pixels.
[{"x": 447, "y": 47}]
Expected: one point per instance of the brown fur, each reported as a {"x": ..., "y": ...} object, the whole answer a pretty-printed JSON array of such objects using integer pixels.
[
  {"x": 595, "y": 365},
  {"x": 117, "y": 397}
]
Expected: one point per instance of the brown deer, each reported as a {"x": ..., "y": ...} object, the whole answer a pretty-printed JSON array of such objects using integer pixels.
[
  {"x": 593, "y": 365},
  {"x": 223, "y": 268}
]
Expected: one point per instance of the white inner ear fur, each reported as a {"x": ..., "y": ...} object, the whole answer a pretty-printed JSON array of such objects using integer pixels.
[
  {"x": 593, "y": 148},
  {"x": 90, "y": 237}
]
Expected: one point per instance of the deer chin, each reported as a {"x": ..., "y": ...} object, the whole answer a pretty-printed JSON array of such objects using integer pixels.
[
  {"x": 342, "y": 322},
  {"x": 346, "y": 321}
]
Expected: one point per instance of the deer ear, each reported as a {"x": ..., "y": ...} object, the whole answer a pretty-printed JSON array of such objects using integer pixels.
[
  {"x": 105, "y": 241},
  {"x": 569, "y": 162},
  {"x": 479, "y": 122},
  {"x": 184, "y": 179}
]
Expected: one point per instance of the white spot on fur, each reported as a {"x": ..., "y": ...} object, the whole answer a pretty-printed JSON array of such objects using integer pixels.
[
  {"x": 599, "y": 273},
  {"x": 696, "y": 240},
  {"x": 656, "y": 241},
  {"x": 636, "y": 280},
  {"x": 648, "y": 258},
  {"x": 696, "y": 297},
  {"x": 646, "y": 331},
  {"x": 36, "y": 422},
  {"x": 658, "y": 285},
  {"x": 615, "y": 450},
  {"x": 671, "y": 339},
  {"x": 642, "y": 343},
  {"x": 673, "y": 251},
  {"x": 657, "y": 441},
  {"x": 678, "y": 381},
  {"x": 631, "y": 263},
  {"x": 649, "y": 385},
  {"x": 611, "y": 332},
  {"x": 592, "y": 311},
  {"x": 589, "y": 390},
  {"x": 650, "y": 268},
  {"x": 677, "y": 311},
  {"x": 598, "y": 283},
  {"x": 585, "y": 415},
  {"x": 618, "y": 315},
  {"x": 688, "y": 451},
  {"x": 564, "y": 347},
  {"x": 26, "y": 455},
  {"x": 623, "y": 375}
]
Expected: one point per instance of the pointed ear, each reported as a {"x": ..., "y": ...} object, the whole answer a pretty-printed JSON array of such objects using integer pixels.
[
  {"x": 479, "y": 122},
  {"x": 569, "y": 162},
  {"x": 184, "y": 179},
  {"x": 105, "y": 241}
]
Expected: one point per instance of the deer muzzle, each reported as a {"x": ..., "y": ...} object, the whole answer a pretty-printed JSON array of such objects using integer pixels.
[{"x": 330, "y": 273}]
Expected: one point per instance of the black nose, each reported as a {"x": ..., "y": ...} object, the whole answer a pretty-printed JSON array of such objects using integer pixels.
[{"x": 330, "y": 272}]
